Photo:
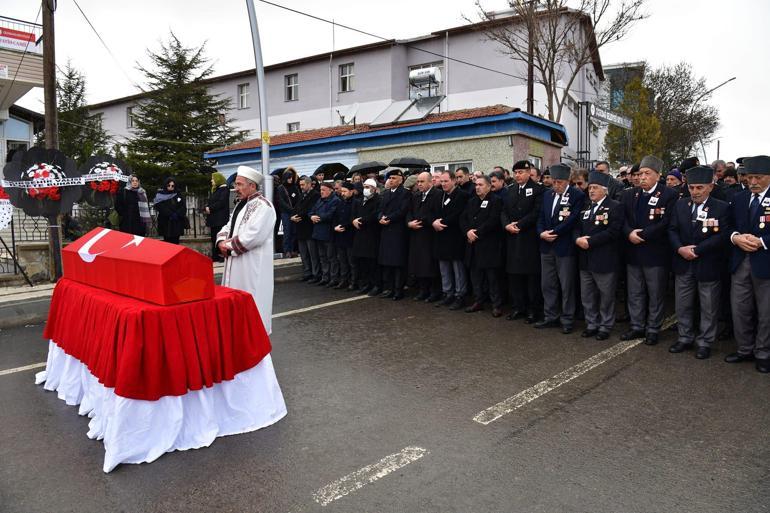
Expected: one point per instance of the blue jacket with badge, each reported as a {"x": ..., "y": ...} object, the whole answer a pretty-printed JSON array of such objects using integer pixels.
[
  {"x": 708, "y": 233},
  {"x": 651, "y": 214},
  {"x": 603, "y": 230},
  {"x": 325, "y": 209},
  {"x": 741, "y": 223},
  {"x": 562, "y": 222}
]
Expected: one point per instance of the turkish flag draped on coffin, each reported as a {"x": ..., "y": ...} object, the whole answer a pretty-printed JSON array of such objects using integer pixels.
[{"x": 139, "y": 267}]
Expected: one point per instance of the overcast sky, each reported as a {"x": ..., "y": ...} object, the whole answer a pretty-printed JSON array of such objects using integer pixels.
[{"x": 720, "y": 39}]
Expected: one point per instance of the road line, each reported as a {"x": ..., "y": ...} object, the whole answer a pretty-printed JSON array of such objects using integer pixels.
[
  {"x": 369, "y": 474},
  {"x": 22, "y": 369},
  {"x": 525, "y": 397},
  {"x": 322, "y": 305}
]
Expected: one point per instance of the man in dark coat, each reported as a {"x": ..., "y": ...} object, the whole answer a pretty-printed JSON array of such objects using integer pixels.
[
  {"x": 322, "y": 216},
  {"x": 366, "y": 243},
  {"x": 308, "y": 249},
  {"x": 519, "y": 219},
  {"x": 463, "y": 181},
  {"x": 560, "y": 213},
  {"x": 343, "y": 237},
  {"x": 615, "y": 187},
  {"x": 449, "y": 242},
  {"x": 750, "y": 266},
  {"x": 419, "y": 218},
  {"x": 597, "y": 235},
  {"x": 217, "y": 211},
  {"x": 480, "y": 222},
  {"x": 698, "y": 233},
  {"x": 394, "y": 239},
  {"x": 648, "y": 209}
]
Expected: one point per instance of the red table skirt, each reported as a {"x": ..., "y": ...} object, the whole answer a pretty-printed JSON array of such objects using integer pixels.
[{"x": 147, "y": 351}]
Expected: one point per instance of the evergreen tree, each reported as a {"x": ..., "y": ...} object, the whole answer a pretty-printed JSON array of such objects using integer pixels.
[
  {"x": 80, "y": 134},
  {"x": 179, "y": 119},
  {"x": 646, "y": 138}
]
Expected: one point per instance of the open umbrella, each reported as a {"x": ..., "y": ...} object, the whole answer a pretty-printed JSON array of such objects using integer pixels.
[
  {"x": 373, "y": 166},
  {"x": 410, "y": 163},
  {"x": 277, "y": 171},
  {"x": 331, "y": 169}
]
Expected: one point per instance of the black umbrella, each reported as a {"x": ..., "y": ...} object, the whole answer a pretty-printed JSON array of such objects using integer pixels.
[
  {"x": 277, "y": 171},
  {"x": 373, "y": 166},
  {"x": 410, "y": 163},
  {"x": 331, "y": 169}
]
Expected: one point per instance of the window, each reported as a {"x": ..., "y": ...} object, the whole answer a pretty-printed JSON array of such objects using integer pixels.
[
  {"x": 129, "y": 117},
  {"x": 243, "y": 96},
  {"x": 292, "y": 127},
  {"x": 451, "y": 166},
  {"x": 291, "y": 83},
  {"x": 536, "y": 161},
  {"x": 346, "y": 77}
]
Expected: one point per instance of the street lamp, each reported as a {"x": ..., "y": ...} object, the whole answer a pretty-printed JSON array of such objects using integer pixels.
[{"x": 692, "y": 108}]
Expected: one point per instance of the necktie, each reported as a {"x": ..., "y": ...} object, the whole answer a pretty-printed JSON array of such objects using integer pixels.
[
  {"x": 694, "y": 213},
  {"x": 593, "y": 210},
  {"x": 521, "y": 190},
  {"x": 423, "y": 197},
  {"x": 556, "y": 201},
  {"x": 754, "y": 207}
]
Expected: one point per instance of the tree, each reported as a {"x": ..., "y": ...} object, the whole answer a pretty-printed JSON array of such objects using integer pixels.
[
  {"x": 645, "y": 138},
  {"x": 80, "y": 134},
  {"x": 562, "y": 40},
  {"x": 680, "y": 105},
  {"x": 178, "y": 120}
]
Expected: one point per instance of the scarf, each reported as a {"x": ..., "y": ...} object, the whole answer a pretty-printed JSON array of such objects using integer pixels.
[
  {"x": 163, "y": 196},
  {"x": 144, "y": 205}
]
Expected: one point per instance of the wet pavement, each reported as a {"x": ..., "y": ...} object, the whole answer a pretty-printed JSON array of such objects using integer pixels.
[{"x": 646, "y": 431}]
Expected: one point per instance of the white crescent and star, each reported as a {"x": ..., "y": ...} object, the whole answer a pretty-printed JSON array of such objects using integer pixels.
[{"x": 85, "y": 250}]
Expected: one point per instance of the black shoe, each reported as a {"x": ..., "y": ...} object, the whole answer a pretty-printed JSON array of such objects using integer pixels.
[
  {"x": 679, "y": 347},
  {"x": 602, "y": 335},
  {"x": 702, "y": 353},
  {"x": 305, "y": 278},
  {"x": 475, "y": 307},
  {"x": 433, "y": 298},
  {"x": 386, "y": 293},
  {"x": 332, "y": 284},
  {"x": 496, "y": 312},
  {"x": 398, "y": 296},
  {"x": 457, "y": 304},
  {"x": 516, "y": 314},
  {"x": 589, "y": 333},
  {"x": 365, "y": 289},
  {"x": 341, "y": 285},
  {"x": 422, "y": 296},
  {"x": 566, "y": 330},
  {"x": 651, "y": 339},
  {"x": 323, "y": 283},
  {"x": 313, "y": 280},
  {"x": 531, "y": 319},
  {"x": 374, "y": 292},
  {"x": 547, "y": 324},
  {"x": 738, "y": 358},
  {"x": 632, "y": 334},
  {"x": 763, "y": 365}
]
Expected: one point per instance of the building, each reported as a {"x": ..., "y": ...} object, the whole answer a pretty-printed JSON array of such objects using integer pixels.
[
  {"x": 367, "y": 84},
  {"x": 21, "y": 69},
  {"x": 478, "y": 138}
]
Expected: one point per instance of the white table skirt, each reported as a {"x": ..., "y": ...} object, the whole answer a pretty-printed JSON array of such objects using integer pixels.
[{"x": 138, "y": 431}]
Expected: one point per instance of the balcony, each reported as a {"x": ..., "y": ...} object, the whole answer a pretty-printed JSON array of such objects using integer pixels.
[{"x": 21, "y": 61}]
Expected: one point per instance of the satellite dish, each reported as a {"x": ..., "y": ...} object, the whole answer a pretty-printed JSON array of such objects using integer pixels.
[{"x": 348, "y": 113}]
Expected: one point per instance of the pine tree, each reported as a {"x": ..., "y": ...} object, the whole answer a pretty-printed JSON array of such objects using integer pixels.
[
  {"x": 80, "y": 134},
  {"x": 179, "y": 119},
  {"x": 646, "y": 138}
]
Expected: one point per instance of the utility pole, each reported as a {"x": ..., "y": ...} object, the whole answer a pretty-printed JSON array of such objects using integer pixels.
[
  {"x": 51, "y": 126},
  {"x": 530, "y": 59}
]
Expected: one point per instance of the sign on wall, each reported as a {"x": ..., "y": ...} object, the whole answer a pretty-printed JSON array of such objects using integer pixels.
[
  {"x": 19, "y": 40},
  {"x": 610, "y": 117}
]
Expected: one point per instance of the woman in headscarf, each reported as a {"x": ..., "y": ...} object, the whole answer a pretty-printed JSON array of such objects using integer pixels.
[
  {"x": 133, "y": 208},
  {"x": 172, "y": 211},
  {"x": 288, "y": 197},
  {"x": 217, "y": 211}
]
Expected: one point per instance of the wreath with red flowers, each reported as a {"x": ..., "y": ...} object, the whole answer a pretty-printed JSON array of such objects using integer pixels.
[
  {"x": 43, "y": 171},
  {"x": 109, "y": 186},
  {"x": 3, "y": 194}
]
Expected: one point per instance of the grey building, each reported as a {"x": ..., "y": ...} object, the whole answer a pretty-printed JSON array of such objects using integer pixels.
[{"x": 366, "y": 84}]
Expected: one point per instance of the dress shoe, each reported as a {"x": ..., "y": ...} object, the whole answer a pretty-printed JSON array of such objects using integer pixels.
[
  {"x": 305, "y": 278},
  {"x": 496, "y": 312},
  {"x": 602, "y": 335},
  {"x": 475, "y": 307},
  {"x": 332, "y": 284},
  {"x": 457, "y": 304},
  {"x": 386, "y": 293},
  {"x": 397, "y": 296},
  {"x": 445, "y": 301},
  {"x": 531, "y": 319},
  {"x": 566, "y": 330},
  {"x": 365, "y": 289},
  {"x": 632, "y": 334},
  {"x": 323, "y": 283},
  {"x": 374, "y": 292},
  {"x": 738, "y": 358},
  {"x": 313, "y": 280},
  {"x": 589, "y": 333},
  {"x": 422, "y": 296},
  {"x": 516, "y": 314},
  {"x": 679, "y": 347},
  {"x": 702, "y": 353},
  {"x": 547, "y": 324},
  {"x": 763, "y": 365},
  {"x": 433, "y": 298},
  {"x": 651, "y": 339},
  {"x": 341, "y": 285}
]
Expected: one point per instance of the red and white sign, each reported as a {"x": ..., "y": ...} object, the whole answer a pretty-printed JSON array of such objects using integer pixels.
[
  {"x": 19, "y": 40},
  {"x": 139, "y": 267}
]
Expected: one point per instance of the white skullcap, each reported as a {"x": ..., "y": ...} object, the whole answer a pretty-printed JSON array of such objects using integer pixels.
[
  {"x": 251, "y": 174},
  {"x": 370, "y": 182}
]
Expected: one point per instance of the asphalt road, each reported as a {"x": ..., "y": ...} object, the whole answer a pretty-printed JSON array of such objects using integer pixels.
[{"x": 644, "y": 432}]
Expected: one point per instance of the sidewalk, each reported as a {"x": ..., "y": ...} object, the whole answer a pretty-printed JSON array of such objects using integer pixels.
[{"x": 29, "y": 305}]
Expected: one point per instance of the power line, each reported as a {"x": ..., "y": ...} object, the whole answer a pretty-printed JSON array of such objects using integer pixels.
[{"x": 26, "y": 47}]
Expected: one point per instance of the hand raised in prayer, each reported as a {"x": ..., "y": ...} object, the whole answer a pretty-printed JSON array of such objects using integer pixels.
[
  {"x": 438, "y": 225},
  {"x": 384, "y": 221},
  {"x": 339, "y": 228},
  {"x": 634, "y": 236},
  {"x": 315, "y": 219},
  {"x": 357, "y": 223},
  {"x": 472, "y": 236},
  {"x": 549, "y": 236},
  {"x": 512, "y": 227},
  {"x": 416, "y": 224},
  {"x": 582, "y": 242}
]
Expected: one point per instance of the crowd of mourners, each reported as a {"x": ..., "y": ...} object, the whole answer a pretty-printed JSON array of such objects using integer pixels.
[{"x": 555, "y": 246}]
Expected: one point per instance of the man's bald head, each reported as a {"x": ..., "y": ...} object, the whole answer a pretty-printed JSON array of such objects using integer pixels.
[{"x": 424, "y": 181}]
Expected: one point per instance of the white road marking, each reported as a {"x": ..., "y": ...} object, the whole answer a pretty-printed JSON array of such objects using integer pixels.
[
  {"x": 322, "y": 305},
  {"x": 525, "y": 397},
  {"x": 369, "y": 474},
  {"x": 22, "y": 369}
]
